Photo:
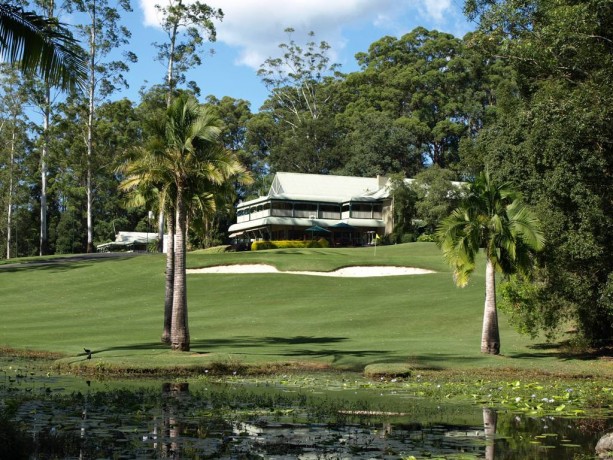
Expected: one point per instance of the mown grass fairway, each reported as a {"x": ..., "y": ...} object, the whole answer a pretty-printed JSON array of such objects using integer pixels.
[{"x": 114, "y": 307}]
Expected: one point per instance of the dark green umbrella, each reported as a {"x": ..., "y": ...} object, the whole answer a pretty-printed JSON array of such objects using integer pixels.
[
  {"x": 316, "y": 229},
  {"x": 342, "y": 226}
]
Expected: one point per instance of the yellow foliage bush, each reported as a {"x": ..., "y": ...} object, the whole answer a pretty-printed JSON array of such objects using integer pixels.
[{"x": 286, "y": 244}]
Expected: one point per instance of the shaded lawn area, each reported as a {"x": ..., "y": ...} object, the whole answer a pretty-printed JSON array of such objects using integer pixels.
[{"x": 114, "y": 307}]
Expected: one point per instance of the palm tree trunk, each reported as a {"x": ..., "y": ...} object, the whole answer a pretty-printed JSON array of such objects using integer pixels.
[
  {"x": 490, "y": 337},
  {"x": 161, "y": 231},
  {"x": 180, "y": 330},
  {"x": 170, "y": 279},
  {"x": 490, "y": 419}
]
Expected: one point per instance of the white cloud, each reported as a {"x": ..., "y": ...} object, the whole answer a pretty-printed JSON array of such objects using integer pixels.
[
  {"x": 255, "y": 27},
  {"x": 436, "y": 9}
]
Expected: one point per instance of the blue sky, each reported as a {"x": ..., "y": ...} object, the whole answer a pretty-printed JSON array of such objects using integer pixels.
[{"x": 252, "y": 30}]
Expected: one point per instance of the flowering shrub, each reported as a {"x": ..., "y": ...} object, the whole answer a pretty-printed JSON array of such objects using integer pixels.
[{"x": 285, "y": 244}]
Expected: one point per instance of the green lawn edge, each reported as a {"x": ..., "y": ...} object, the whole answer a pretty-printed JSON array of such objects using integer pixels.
[{"x": 259, "y": 323}]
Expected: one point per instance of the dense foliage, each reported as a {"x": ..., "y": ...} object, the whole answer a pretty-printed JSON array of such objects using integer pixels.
[
  {"x": 526, "y": 94},
  {"x": 553, "y": 139}
]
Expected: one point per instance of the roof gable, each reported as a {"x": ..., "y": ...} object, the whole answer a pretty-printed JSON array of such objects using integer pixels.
[{"x": 320, "y": 186}]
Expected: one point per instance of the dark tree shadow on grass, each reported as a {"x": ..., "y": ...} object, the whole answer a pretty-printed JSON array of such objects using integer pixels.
[
  {"x": 204, "y": 346},
  {"x": 63, "y": 263}
]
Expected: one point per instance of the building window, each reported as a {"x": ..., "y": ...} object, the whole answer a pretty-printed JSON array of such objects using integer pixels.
[
  {"x": 329, "y": 211},
  {"x": 361, "y": 211},
  {"x": 307, "y": 210},
  {"x": 282, "y": 209}
]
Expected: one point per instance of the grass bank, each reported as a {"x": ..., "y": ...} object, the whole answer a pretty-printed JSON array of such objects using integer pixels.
[{"x": 273, "y": 322}]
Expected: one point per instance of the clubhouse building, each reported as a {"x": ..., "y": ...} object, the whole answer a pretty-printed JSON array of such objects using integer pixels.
[{"x": 344, "y": 210}]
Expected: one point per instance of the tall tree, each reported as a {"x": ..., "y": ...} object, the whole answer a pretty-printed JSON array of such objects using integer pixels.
[
  {"x": 42, "y": 98},
  {"x": 41, "y": 45},
  {"x": 553, "y": 139},
  {"x": 298, "y": 108},
  {"x": 494, "y": 218},
  {"x": 13, "y": 127},
  {"x": 67, "y": 197},
  {"x": 420, "y": 79},
  {"x": 44, "y": 46},
  {"x": 187, "y": 26},
  {"x": 436, "y": 196},
  {"x": 403, "y": 207},
  {"x": 377, "y": 143},
  {"x": 188, "y": 158},
  {"x": 103, "y": 33},
  {"x": 235, "y": 115},
  {"x": 295, "y": 78}
]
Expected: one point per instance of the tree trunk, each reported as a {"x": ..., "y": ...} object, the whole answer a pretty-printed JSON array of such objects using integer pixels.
[
  {"x": 161, "y": 231},
  {"x": 170, "y": 279},
  {"x": 9, "y": 213},
  {"x": 171, "y": 62},
  {"x": 490, "y": 337},
  {"x": 180, "y": 330},
  {"x": 43, "y": 248},
  {"x": 44, "y": 238},
  {"x": 490, "y": 419},
  {"x": 90, "y": 131}
]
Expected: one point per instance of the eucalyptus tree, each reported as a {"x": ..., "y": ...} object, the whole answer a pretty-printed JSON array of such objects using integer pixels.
[
  {"x": 103, "y": 33},
  {"x": 42, "y": 98},
  {"x": 187, "y": 25},
  {"x": 44, "y": 47},
  {"x": 295, "y": 78},
  {"x": 301, "y": 82},
  {"x": 187, "y": 161},
  {"x": 493, "y": 218},
  {"x": 13, "y": 136},
  {"x": 235, "y": 115}
]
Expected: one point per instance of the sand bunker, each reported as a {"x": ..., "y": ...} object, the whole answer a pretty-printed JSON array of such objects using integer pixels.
[{"x": 350, "y": 272}]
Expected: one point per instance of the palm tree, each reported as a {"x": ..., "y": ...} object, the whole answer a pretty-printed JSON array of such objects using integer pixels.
[
  {"x": 188, "y": 162},
  {"x": 41, "y": 46},
  {"x": 494, "y": 218},
  {"x": 147, "y": 185}
]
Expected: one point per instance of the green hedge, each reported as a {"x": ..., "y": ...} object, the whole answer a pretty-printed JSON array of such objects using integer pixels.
[
  {"x": 427, "y": 238},
  {"x": 284, "y": 244}
]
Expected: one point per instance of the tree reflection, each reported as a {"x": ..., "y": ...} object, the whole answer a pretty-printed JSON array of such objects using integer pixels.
[
  {"x": 490, "y": 419},
  {"x": 173, "y": 394}
]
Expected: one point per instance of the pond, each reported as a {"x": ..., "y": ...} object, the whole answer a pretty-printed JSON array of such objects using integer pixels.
[{"x": 43, "y": 415}]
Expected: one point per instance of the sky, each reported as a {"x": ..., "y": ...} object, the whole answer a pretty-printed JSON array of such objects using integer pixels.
[{"x": 252, "y": 30}]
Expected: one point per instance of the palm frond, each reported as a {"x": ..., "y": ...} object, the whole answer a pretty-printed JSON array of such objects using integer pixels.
[{"x": 41, "y": 46}]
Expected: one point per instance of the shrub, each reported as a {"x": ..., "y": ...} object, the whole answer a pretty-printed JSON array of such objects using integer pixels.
[
  {"x": 261, "y": 245},
  {"x": 286, "y": 244},
  {"x": 427, "y": 238},
  {"x": 407, "y": 238}
]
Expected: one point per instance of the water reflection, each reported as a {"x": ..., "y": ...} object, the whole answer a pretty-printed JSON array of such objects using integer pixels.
[
  {"x": 177, "y": 420},
  {"x": 490, "y": 418},
  {"x": 173, "y": 397}
]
